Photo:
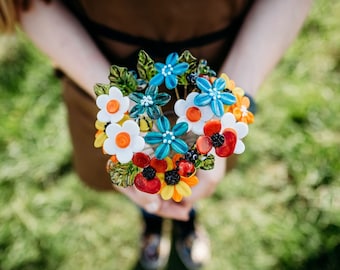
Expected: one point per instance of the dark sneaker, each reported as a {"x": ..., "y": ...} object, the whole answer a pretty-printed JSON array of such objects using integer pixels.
[
  {"x": 154, "y": 251},
  {"x": 194, "y": 249}
]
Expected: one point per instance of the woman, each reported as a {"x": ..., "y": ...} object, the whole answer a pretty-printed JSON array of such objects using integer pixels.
[{"x": 244, "y": 39}]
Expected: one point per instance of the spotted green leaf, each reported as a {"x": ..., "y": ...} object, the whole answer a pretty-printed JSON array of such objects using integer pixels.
[
  {"x": 101, "y": 88},
  {"x": 187, "y": 57},
  {"x": 145, "y": 66},
  {"x": 123, "y": 79}
]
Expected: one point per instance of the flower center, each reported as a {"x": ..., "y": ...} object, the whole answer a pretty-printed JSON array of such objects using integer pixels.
[
  {"x": 217, "y": 139},
  {"x": 172, "y": 177},
  {"x": 214, "y": 93},
  {"x": 123, "y": 139},
  {"x": 168, "y": 137},
  {"x": 113, "y": 106},
  {"x": 167, "y": 70},
  {"x": 149, "y": 173},
  {"x": 193, "y": 114},
  {"x": 146, "y": 101}
]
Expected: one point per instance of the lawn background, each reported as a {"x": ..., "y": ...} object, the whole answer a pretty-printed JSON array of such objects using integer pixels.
[{"x": 280, "y": 209}]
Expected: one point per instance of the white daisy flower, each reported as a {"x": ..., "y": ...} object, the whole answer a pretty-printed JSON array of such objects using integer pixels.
[
  {"x": 192, "y": 114},
  {"x": 112, "y": 106},
  {"x": 123, "y": 140}
]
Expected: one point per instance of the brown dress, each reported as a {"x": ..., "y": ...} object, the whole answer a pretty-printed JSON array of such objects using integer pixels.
[{"x": 121, "y": 28}]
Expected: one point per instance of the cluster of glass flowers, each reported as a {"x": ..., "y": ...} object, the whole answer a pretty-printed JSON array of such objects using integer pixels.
[{"x": 145, "y": 148}]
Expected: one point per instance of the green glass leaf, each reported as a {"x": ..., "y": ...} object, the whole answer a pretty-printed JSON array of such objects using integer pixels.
[
  {"x": 123, "y": 79},
  {"x": 187, "y": 57},
  {"x": 204, "y": 69},
  {"x": 207, "y": 163},
  {"x": 145, "y": 66},
  {"x": 122, "y": 175},
  {"x": 101, "y": 88}
]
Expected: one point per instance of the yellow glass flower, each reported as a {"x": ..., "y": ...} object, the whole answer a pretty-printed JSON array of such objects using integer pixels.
[
  {"x": 174, "y": 183},
  {"x": 230, "y": 84},
  {"x": 100, "y": 135}
]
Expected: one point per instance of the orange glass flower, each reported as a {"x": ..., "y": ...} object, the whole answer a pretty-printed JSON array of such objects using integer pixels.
[{"x": 240, "y": 110}]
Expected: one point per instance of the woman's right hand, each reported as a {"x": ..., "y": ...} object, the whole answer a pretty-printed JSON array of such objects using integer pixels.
[{"x": 154, "y": 204}]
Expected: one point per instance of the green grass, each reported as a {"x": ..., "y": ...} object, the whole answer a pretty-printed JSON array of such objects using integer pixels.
[{"x": 280, "y": 209}]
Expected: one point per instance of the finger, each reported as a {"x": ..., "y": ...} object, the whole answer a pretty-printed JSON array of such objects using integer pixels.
[{"x": 173, "y": 210}]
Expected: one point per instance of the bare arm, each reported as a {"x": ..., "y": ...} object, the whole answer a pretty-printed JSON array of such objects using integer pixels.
[
  {"x": 269, "y": 29},
  {"x": 56, "y": 32}
]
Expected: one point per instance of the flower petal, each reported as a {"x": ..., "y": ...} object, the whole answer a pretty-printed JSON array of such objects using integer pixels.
[
  {"x": 112, "y": 129},
  {"x": 212, "y": 126},
  {"x": 241, "y": 129},
  {"x": 240, "y": 147},
  {"x": 136, "y": 111},
  {"x": 177, "y": 197},
  {"x": 153, "y": 138},
  {"x": 217, "y": 107},
  {"x": 136, "y": 96},
  {"x": 197, "y": 128},
  {"x": 162, "y": 151},
  {"x": 179, "y": 146},
  {"x": 219, "y": 84},
  {"x": 158, "y": 79},
  {"x": 180, "y": 68},
  {"x": 152, "y": 91},
  {"x": 132, "y": 127},
  {"x": 167, "y": 192},
  {"x": 102, "y": 116},
  {"x": 102, "y": 100},
  {"x": 171, "y": 81},
  {"x": 153, "y": 112},
  {"x": 124, "y": 156},
  {"x": 171, "y": 59},
  {"x": 159, "y": 66},
  {"x": 163, "y": 124},
  {"x": 180, "y": 128},
  {"x": 180, "y": 107},
  {"x": 191, "y": 180},
  {"x": 228, "y": 120},
  {"x": 204, "y": 144},
  {"x": 203, "y": 84},
  {"x": 202, "y": 99},
  {"x": 227, "y": 98},
  {"x": 138, "y": 144},
  {"x": 109, "y": 146},
  {"x": 183, "y": 188},
  {"x": 162, "y": 99},
  {"x": 100, "y": 139}
]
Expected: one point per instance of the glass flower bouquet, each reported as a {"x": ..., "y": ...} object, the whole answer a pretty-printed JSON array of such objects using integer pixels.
[{"x": 157, "y": 152}]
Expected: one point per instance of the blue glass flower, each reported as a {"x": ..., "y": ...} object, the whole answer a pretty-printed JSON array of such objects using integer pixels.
[
  {"x": 214, "y": 95},
  {"x": 167, "y": 138},
  {"x": 148, "y": 102},
  {"x": 168, "y": 72}
]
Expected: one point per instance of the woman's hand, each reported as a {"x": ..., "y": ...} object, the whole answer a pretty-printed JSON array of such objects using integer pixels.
[
  {"x": 208, "y": 181},
  {"x": 153, "y": 204}
]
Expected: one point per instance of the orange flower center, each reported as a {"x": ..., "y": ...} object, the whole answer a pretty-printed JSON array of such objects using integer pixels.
[
  {"x": 113, "y": 106},
  {"x": 193, "y": 114},
  {"x": 123, "y": 139}
]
